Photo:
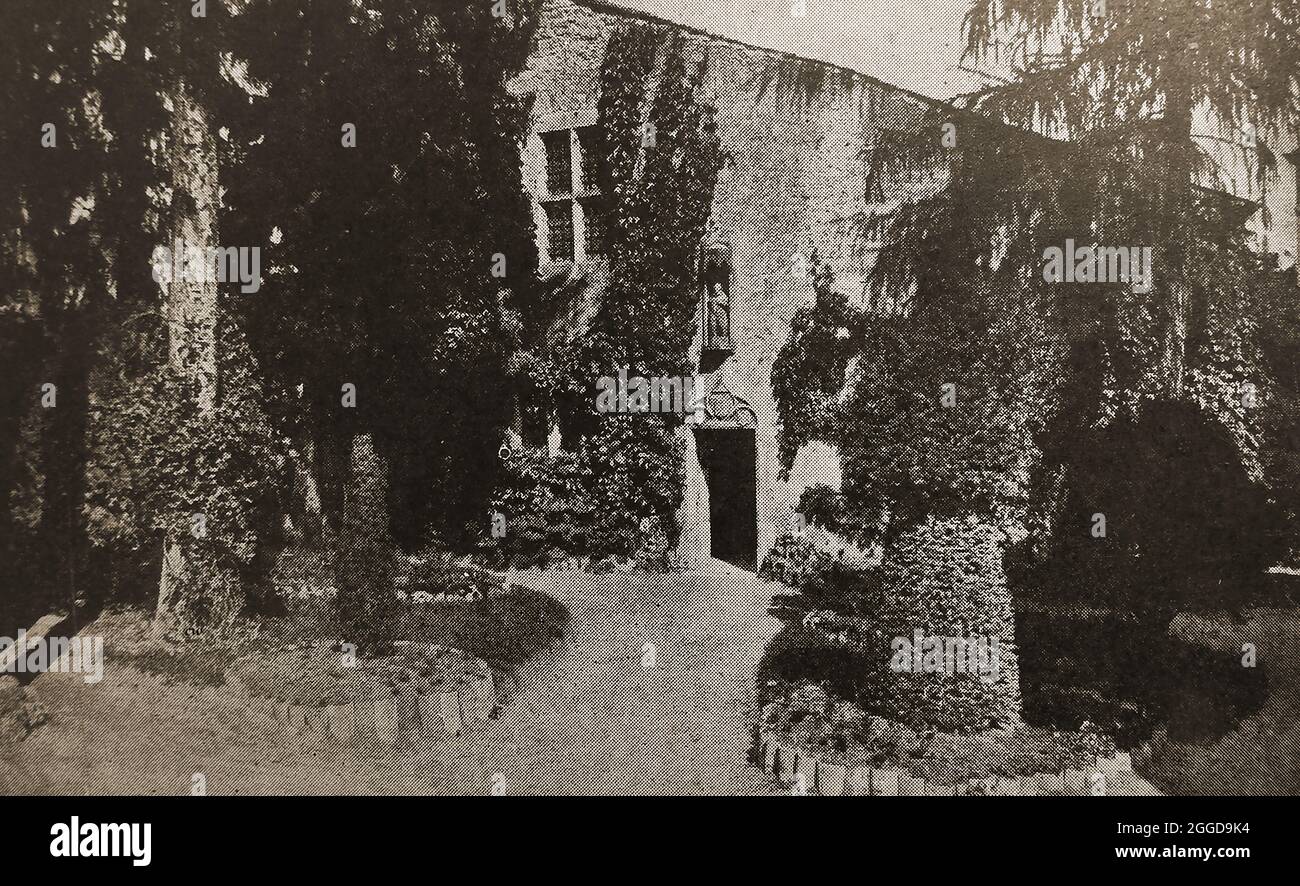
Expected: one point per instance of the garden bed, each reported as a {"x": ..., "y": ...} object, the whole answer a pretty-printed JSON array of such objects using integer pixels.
[
  {"x": 504, "y": 629},
  {"x": 324, "y": 689},
  {"x": 802, "y": 769},
  {"x": 441, "y": 600},
  {"x": 807, "y": 717}
]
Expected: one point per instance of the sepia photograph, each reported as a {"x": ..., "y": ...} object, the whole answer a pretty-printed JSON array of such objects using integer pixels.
[{"x": 649, "y": 397}]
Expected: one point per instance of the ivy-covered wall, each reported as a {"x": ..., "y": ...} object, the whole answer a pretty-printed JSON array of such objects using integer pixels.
[{"x": 791, "y": 191}]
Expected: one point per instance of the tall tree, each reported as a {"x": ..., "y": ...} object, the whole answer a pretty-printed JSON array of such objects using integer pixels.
[
  {"x": 1150, "y": 87},
  {"x": 84, "y": 112},
  {"x": 986, "y": 390},
  {"x": 378, "y": 159},
  {"x": 1086, "y": 142}
]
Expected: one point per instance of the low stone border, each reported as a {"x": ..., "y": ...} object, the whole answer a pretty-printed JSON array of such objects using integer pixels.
[
  {"x": 445, "y": 597},
  {"x": 803, "y": 770},
  {"x": 390, "y": 717},
  {"x": 447, "y": 705}
]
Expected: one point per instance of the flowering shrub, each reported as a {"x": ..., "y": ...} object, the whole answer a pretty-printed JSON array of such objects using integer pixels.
[
  {"x": 824, "y": 581},
  {"x": 807, "y": 714}
]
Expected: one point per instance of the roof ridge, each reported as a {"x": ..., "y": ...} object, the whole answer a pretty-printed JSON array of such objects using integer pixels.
[{"x": 613, "y": 7}]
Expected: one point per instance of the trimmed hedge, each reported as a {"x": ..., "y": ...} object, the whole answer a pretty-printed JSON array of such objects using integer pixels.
[{"x": 945, "y": 577}]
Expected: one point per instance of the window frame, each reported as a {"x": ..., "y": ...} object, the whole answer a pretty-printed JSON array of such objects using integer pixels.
[
  {"x": 553, "y": 209},
  {"x": 589, "y": 161},
  {"x": 551, "y": 143},
  {"x": 595, "y": 244}
]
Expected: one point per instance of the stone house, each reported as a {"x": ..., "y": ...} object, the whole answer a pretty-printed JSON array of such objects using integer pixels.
[{"x": 797, "y": 134}]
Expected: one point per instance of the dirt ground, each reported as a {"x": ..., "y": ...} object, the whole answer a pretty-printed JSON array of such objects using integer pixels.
[{"x": 588, "y": 717}]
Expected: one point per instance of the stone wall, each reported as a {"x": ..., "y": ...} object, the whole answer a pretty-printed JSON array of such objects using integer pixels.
[{"x": 795, "y": 133}]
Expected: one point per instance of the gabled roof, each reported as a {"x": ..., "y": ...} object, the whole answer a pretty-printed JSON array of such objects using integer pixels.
[{"x": 912, "y": 45}]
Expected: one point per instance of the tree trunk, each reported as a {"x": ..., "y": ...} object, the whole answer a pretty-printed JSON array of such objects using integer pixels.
[
  {"x": 943, "y": 577},
  {"x": 190, "y": 307},
  {"x": 1177, "y": 159}
]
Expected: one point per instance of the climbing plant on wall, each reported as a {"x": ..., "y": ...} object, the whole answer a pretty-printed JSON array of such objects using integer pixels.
[{"x": 661, "y": 160}]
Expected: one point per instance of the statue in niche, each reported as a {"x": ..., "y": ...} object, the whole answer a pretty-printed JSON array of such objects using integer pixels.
[
  {"x": 717, "y": 297},
  {"x": 719, "y": 314}
]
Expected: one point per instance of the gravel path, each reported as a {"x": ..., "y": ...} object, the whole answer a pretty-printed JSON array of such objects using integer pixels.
[{"x": 586, "y": 718}]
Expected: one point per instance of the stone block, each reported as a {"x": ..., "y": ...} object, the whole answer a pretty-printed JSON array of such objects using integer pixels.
[
  {"x": 1076, "y": 783},
  {"x": 313, "y": 721},
  {"x": 1007, "y": 787},
  {"x": 1121, "y": 762},
  {"x": 430, "y": 708},
  {"x": 386, "y": 721},
  {"x": 468, "y": 708},
  {"x": 805, "y": 776},
  {"x": 859, "y": 781},
  {"x": 911, "y": 787},
  {"x": 1099, "y": 782},
  {"x": 1050, "y": 784},
  {"x": 884, "y": 782},
  {"x": 449, "y": 706},
  {"x": 832, "y": 780},
  {"x": 485, "y": 698},
  {"x": 789, "y": 764},
  {"x": 408, "y": 712},
  {"x": 340, "y": 721}
]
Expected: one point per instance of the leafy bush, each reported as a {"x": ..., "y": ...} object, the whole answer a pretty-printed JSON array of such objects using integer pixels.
[
  {"x": 1185, "y": 524},
  {"x": 824, "y": 506},
  {"x": 638, "y": 472},
  {"x": 505, "y": 629},
  {"x": 794, "y": 560},
  {"x": 549, "y": 510},
  {"x": 798, "y": 655},
  {"x": 617, "y": 498},
  {"x": 826, "y": 583}
]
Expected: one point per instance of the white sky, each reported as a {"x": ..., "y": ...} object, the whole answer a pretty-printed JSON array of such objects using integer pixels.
[{"x": 913, "y": 44}]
